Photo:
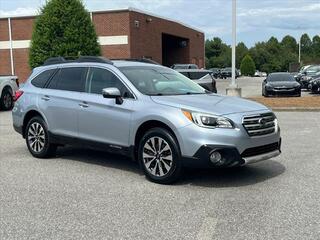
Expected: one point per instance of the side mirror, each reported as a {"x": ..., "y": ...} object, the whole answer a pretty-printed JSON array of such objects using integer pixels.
[{"x": 112, "y": 93}]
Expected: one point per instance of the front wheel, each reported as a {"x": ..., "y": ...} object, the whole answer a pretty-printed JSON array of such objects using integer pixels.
[
  {"x": 159, "y": 156},
  {"x": 37, "y": 138}
]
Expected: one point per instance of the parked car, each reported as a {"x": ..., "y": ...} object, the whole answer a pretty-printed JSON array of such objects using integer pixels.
[
  {"x": 257, "y": 73},
  {"x": 314, "y": 85},
  {"x": 8, "y": 86},
  {"x": 306, "y": 75},
  {"x": 227, "y": 73},
  {"x": 202, "y": 77},
  {"x": 281, "y": 83},
  {"x": 216, "y": 72},
  {"x": 184, "y": 66},
  {"x": 149, "y": 112}
]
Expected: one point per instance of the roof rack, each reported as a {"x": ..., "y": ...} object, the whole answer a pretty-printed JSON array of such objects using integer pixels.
[
  {"x": 144, "y": 60},
  {"x": 60, "y": 60}
]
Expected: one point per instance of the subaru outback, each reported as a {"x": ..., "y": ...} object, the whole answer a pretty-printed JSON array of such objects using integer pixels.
[{"x": 149, "y": 112}]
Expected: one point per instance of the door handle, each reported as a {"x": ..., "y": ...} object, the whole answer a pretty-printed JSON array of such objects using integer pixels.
[
  {"x": 83, "y": 104},
  {"x": 45, "y": 98}
]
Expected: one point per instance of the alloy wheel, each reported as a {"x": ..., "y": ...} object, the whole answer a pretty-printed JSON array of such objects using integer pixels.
[
  {"x": 157, "y": 156},
  {"x": 36, "y": 137}
]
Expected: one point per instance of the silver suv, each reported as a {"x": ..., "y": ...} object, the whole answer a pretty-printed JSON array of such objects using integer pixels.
[{"x": 149, "y": 112}]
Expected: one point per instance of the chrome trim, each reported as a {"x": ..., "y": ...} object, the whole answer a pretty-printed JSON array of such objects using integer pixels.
[{"x": 261, "y": 157}]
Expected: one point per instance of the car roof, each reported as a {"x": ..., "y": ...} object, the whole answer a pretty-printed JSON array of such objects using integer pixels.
[{"x": 116, "y": 63}]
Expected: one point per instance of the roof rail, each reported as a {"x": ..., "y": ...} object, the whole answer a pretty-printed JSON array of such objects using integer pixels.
[
  {"x": 59, "y": 60},
  {"x": 54, "y": 60},
  {"x": 144, "y": 60},
  {"x": 94, "y": 59}
]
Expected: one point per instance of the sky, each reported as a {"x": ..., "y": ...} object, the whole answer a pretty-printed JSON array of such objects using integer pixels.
[{"x": 257, "y": 20}]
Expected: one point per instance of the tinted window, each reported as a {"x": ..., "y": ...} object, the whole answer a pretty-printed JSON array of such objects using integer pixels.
[
  {"x": 69, "y": 79},
  {"x": 42, "y": 78},
  {"x": 280, "y": 77},
  {"x": 99, "y": 79}
]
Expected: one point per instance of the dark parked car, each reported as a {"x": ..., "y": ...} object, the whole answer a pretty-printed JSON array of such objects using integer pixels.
[
  {"x": 227, "y": 72},
  {"x": 184, "y": 66},
  {"x": 314, "y": 85},
  {"x": 216, "y": 72},
  {"x": 277, "y": 84},
  {"x": 306, "y": 75},
  {"x": 202, "y": 77}
]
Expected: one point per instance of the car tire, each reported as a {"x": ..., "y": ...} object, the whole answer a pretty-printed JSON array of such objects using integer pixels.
[
  {"x": 6, "y": 100},
  {"x": 159, "y": 156},
  {"x": 37, "y": 138}
]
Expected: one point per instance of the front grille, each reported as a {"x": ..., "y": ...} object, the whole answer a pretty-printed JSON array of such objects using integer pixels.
[
  {"x": 260, "y": 124},
  {"x": 260, "y": 150},
  {"x": 283, "y": 89}
]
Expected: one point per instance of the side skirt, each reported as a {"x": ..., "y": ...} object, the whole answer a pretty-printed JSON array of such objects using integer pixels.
[{"x": 111, "y": 148}]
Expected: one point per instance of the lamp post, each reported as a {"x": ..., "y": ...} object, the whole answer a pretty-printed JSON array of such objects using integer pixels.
[{"x": 233, "y": 89}]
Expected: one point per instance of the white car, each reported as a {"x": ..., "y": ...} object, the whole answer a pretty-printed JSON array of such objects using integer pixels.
[{"x": 8, "y": 86}]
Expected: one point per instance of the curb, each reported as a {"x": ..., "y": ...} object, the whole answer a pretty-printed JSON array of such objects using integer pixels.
[{"x": 296, "y": 109}]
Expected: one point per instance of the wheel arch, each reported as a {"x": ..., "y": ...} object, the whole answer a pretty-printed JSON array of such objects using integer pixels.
[
  {"x": 146, "y": 126},
  {"x": 7, "y": 87},
  {"x": 30, "y": 114}
]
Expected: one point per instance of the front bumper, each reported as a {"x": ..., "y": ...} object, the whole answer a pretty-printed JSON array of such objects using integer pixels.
[
  {"x": 197, "y": 143},
  {"x": 231, "y": 156},
  {"x": 280, "y": 92}
]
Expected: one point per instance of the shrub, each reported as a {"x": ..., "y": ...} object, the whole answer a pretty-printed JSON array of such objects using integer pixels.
[
  {"x": 63, "y": 28},
  {"x": 247, "y": 66}
]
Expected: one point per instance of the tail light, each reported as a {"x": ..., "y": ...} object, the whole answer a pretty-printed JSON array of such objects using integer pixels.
[{"x": 18, "y": 95}]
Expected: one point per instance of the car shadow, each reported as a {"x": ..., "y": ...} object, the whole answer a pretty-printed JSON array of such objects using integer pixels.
[
  {"x": 213, "y": 177},
  {"x": 233, "y": 177},
  {"x": 101, "y": 158}
]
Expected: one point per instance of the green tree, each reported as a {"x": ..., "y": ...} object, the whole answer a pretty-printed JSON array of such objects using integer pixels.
[
  {"x": 247, "y": 66},
  {"x": 316, "y": 48},
  {"x": 63, "y": 28},
  {"x": 218, "y": 53},
  {"x": 289, "y": 43},
  {"x": 241, "y": 52}
]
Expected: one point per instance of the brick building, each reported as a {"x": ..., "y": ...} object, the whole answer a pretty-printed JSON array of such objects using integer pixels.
[{"x": 125, "y": 33}]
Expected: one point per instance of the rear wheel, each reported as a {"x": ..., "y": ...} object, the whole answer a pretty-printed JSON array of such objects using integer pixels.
[
  {"x": 37, "y": 138},
  {"x": 6, "y": 100},
  {"x": 159, "y": 156}
]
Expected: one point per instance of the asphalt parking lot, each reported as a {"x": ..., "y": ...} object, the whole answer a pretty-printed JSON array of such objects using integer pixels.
[
  {"x": 84, "y": 194},
  {"x": 250, "y": 86}
]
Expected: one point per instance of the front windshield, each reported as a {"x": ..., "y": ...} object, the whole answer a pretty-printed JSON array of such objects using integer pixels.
[
  {"x": 313, "y": 70},
  {"x": 280, "y": 77},
  {"x": 160, "y": 81}
]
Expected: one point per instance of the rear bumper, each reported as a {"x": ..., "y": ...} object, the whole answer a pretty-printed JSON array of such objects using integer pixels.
[{"x": 18, "y": 129}]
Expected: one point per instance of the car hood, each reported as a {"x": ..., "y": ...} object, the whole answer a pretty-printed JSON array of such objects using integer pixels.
[
  {"x": 210, "y": 103},
  {"x": 283, "y": 83}
]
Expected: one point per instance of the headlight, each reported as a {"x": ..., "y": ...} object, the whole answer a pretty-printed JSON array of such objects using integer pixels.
[{"x": 208, "y": 120}]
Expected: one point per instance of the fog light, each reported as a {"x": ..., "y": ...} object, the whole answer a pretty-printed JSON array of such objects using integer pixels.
[{"x": 215, "y": 157}]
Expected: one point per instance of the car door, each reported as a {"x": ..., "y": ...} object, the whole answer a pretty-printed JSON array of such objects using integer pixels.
[
  {"x": 102, "y": 119},
  {"x": 59, "y": 100}
]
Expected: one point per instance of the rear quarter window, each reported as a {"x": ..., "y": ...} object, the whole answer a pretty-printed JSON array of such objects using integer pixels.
[
  {"x": 69, "y": 79},
  {"x": 41, "y": 80}
]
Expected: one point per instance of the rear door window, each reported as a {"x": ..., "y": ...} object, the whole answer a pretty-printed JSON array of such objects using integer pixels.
[
  {"x": 69, "y": 79},
  {"x": 41, "y": 80}
]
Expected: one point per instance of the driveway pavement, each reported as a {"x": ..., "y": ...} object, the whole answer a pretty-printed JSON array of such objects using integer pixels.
[
  {"x": 251, "y": 86},
  {"x": 85, "y": 194}
]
